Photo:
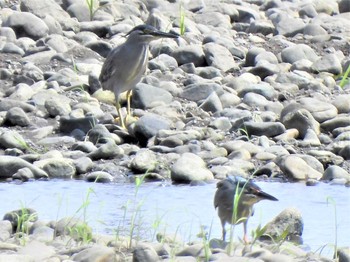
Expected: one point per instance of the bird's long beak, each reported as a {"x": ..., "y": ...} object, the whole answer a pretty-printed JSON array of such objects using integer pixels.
[
  {"x": 263, "y": 195},
  {"x": 161, "y": 34}
]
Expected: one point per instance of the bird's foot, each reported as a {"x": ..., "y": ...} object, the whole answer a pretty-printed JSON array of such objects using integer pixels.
[
  {"x": 120, "y": 122},
  {"x": 126, "y": 121},
  {"x": 246, "y": 240},
  {"x": 129, "y": 119}
]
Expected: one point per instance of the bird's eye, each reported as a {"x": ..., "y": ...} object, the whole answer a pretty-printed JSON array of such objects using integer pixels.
[{"x": 146, "y": 32}]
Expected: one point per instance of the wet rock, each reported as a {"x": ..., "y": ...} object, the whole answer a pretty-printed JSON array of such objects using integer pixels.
[
  {"x": 144, "y": 161},
  {"x": 99, "y": 177},
  {"x": 145, "y": 252},
  {"x": 24, "y": 174},
  {"x": 335, "y": 172},
  {"x": 83, "y": 165},
  {"x": 9, "y": 165},
  {"x": 296, "y": 168},
  {"x": 190, "y": 167},
  {"x": 312, "y": 182},
  {"x": 289, "y": 220},
  {"x": 57, "y": 167}
]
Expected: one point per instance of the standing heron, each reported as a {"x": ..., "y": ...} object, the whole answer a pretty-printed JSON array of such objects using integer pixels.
[
  {"x": 247, "y": 194},
  {"x": 126, "y": 64}
]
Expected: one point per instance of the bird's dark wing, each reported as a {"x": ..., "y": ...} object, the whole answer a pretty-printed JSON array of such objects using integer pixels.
[
  {"x": 108, "y": 69},
  {"x": 224, "y": 195}
]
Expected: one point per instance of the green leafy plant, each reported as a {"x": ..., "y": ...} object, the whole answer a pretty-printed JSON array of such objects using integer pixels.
[
  {"x": 24, "y": 216},
  {"x": 205, "y": 236},
  {"x": 82, "y": 231},
  {"x": 235, "y": 219},
  {"x": 345, "y": 77},
  {"x": 243, "y": 130},
  {"x": 182, "y": 19},
  {"x": 93, "y": 8},
  {"x": 258, "y": 232},
  {"x": 90, "y": 4},
  {"x": 156, "y": 226}
]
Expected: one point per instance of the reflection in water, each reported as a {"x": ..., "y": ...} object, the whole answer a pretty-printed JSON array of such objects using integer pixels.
[{"x": 181, "y": 210}]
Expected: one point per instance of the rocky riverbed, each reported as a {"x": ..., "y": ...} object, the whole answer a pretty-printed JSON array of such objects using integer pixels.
[{"x": 250, "y": 87}]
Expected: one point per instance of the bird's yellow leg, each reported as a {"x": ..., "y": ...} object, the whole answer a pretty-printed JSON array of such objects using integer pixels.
[
  {"x": 128, "y": 99},
  {"x": 129, "y": 119},
  {"x": 121, "y": 119},
  {"x": 245, "y": 237}
]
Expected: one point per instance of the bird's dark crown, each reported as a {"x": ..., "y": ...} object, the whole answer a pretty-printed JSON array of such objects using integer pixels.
[{"x": 144, "y": 29}]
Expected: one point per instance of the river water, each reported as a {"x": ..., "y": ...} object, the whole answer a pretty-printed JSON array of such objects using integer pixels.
[{"x": 181, "y": 210}]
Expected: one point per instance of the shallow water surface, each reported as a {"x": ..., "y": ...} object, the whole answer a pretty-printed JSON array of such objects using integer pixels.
[{"x": 181, "y": 210}]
